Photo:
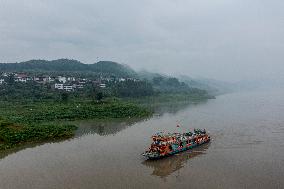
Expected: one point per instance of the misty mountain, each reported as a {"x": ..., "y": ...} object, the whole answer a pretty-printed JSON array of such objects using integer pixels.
[
  {"x": 164, "y": 82},
  {"x": 213, "y": 87},
  {"x": 67, "y": 65},
  {"x": 144, "y": 74},
  {"x": 110, "y": 67}
]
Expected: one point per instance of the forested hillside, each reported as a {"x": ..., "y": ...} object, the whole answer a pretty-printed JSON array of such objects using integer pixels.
[{"x": 67, "y": 65}]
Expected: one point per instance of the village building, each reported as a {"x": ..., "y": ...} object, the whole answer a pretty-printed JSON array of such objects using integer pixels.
[
  {"x": 51, "y": 79},
  {"x": 64, "y": 87},
  {"x": 37, "y": 79},
  {"x": 102, "y": 85},
  {"x": 68, "y": 88},
  {"x": 40, "y": 79},
  {"x": 21, "y": 78},
  {"x": 58, "y": 86},
  {"x": 4, "y": 74},
  {"x": 62, "y": 79},
  {"x": 78, "y": 86},
  {"x": 70, "y": 79}
]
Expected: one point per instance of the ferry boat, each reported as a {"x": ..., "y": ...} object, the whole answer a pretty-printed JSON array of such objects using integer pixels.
[{"x": 164, "y": 145}]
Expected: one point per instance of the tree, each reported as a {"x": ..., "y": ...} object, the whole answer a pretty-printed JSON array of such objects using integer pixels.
[
  {"x": 99, "y": 96},
  {"x": 10, "y": 79},
  {"x": 158, "y": 80},
  {"x": 131, "y": 88},
  {"x": 173, "y": 82},
  {"x": 64, "y": 96}
]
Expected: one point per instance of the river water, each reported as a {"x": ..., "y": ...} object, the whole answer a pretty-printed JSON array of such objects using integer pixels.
[{"x": 247, "y": 150}]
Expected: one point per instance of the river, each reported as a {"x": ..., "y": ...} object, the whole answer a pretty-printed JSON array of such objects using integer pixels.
[{"x": 246, "y": 151}]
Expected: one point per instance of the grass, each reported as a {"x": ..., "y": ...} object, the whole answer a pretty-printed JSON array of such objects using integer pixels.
[
  {"x": 34, "y": 122},
  {"x": 12, "y": 135}
]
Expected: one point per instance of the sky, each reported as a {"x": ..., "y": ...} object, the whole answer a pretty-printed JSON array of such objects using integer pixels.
[{"x": 227, "y": 40}]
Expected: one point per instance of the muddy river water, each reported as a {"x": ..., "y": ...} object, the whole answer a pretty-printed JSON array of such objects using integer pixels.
[{"x": 247, "y": 150}]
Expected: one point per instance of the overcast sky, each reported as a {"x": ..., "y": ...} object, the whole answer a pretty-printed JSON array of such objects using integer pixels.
[{"x": 221, "y": 39}]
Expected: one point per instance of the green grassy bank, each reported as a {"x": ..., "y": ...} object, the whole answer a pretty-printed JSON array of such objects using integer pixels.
[
  {"x": 32, "y": 122},
  {"x": 24, "y": 122}
]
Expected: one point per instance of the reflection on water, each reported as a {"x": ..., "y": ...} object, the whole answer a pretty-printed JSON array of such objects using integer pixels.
[
  {"x": 103, "y": 127},
  {"x": 172, "y": 108},
  {"x": 107, "y": 127},
  {"x": 100, "y": 127},
  {"x": 5, "y": 153},
  {"x": 166, "y": 166}
]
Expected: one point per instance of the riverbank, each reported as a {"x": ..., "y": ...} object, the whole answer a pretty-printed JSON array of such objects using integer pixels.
[
  {"x": 25, "y": 122},
  {"x": 12, "y": 135},
  {"x": 172, "y": 98},
  {"x": 31, "y": 122}
]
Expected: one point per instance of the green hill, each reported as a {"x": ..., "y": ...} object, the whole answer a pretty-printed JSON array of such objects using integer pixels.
[
  {"x": 67, "y": 65},
  {"x": 109, "y": 67}
]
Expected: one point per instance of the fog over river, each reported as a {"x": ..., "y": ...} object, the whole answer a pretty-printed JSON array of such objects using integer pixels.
[{"x": 247, "y": 150}]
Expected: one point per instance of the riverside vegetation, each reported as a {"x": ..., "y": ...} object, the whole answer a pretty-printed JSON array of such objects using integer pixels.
[{"x": 34, "y": 122}]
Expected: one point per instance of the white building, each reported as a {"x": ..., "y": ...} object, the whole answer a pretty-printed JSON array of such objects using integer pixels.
[
  {"x": 61, "y": 86},
  {"x": 68, "y": 87},
  {"x": 45, "y": 79},
  {"x": 21, "y": 79},
  {"x": 102, "y": 85},
  {"x": 82, "y": 81},
  {"x": 71, "y": 79},
  {"x": 51, "y": 79},
  {"x": 78, "y": 86},
  {"x": 58, "y": 86},
  {"x": 1, "y": 81},
  {"x": 62, "y": 79},
  {"x": 36, "y": 79}
]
